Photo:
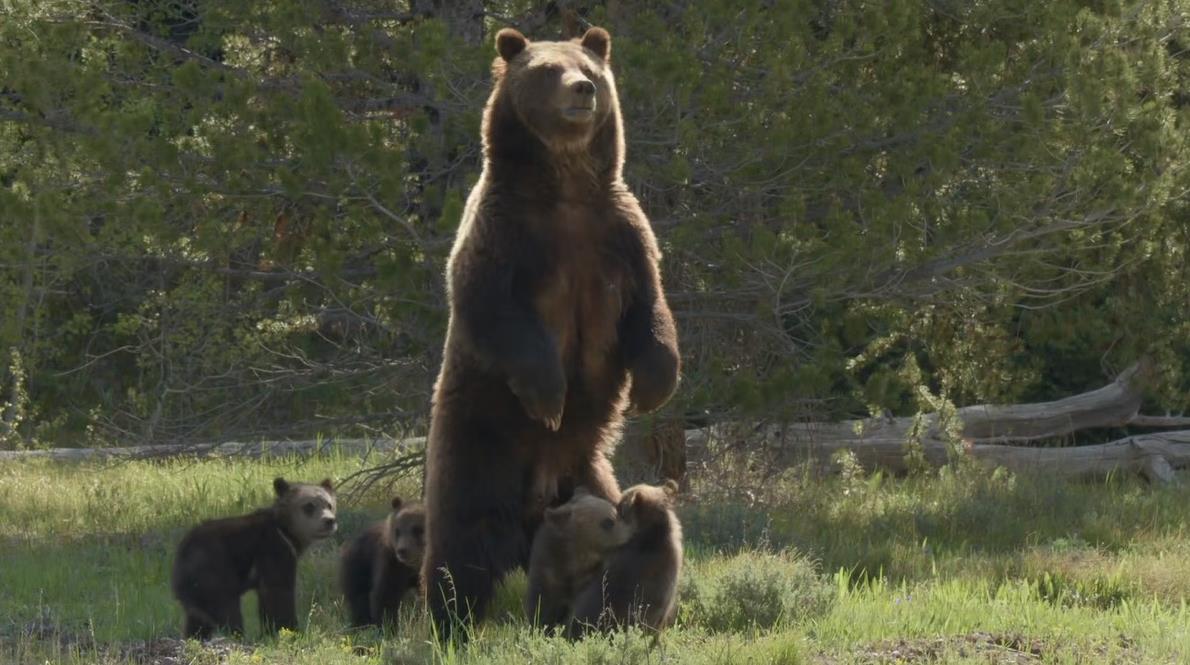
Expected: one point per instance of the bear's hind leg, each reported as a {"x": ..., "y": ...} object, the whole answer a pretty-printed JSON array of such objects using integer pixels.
[
  {"x": 203, "y": 622},
  {"x": 233, "y": 618},
  {"x": 475, "y": 505},
  {"x": 461, "y": 576},
  {"x": 358, "y": 606},
  {"x": 196, "y": 627}
]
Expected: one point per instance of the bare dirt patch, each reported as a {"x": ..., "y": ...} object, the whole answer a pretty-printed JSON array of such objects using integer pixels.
[
  {"x": 994, "y": 649},
  {"x": 173, "y": 651}
]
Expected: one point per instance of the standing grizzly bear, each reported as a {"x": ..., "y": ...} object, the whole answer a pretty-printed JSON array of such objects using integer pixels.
[
  {"x": 220, "y": 560},
  {"x": 382, "y": 564},
  {"x": 558, "y": 322},
  {"x": 568, "y": 553},
  {"x": 639, "y": 584}
]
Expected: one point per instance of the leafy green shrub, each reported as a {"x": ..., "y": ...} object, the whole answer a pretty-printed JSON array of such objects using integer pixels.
[{"x": 753, "y": 589}]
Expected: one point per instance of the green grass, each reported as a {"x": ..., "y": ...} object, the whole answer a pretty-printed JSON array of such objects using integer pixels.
[{"x": 950, "y": 569}]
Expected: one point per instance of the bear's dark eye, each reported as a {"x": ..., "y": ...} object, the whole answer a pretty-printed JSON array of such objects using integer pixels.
[
  {"x": 309, "y": 508},
  {"x": 607, "y": 523}
]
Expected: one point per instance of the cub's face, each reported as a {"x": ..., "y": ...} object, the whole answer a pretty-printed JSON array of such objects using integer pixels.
[
  {"x": 590, "y": 522},
  {"x": 406, "y": 532},
  {"x": 308, "y": 511},
  {"x": 562, "y": 91},
  {"x": 644, "y": 505}
]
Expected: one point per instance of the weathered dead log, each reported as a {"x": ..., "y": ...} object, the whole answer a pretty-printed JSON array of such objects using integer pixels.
[
  {"x": 881, "y": 443},
  {"x": 1113, "y": 405},
  {"x": 657, "y": 448},
  {"x": 1160, "y": 421},
  {"x": 1154, "y": 456}
]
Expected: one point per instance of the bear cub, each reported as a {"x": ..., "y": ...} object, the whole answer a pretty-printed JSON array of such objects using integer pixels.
[
  {"x": 639, "y": 584},
  {"x": 220, "y": 560},
  {"x": 568, "y": 553},
  {"x": 380, "y": 565}
]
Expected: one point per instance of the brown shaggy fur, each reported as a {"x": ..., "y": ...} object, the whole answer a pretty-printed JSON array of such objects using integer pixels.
[
  {"x": 382, "y": 564},
  {"x": 639, "y": 585},
  {"x": 558, "y": 322},
  {"x": 220, "y": 560},
  {"x": 568, "y": 553}
]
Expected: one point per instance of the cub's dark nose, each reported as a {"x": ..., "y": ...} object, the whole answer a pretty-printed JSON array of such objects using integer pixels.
[
  {"x": 328, "y": 522},
  {"x": 402, "y": 553},
  {"x": 583, "y": 87}
]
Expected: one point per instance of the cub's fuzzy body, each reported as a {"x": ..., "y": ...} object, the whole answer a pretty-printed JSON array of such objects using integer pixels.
[
  {"x": 220, "y": 560},
  {"x": 568, "y": 554},
  {"x": 381, "y": 565},
  {"x": 639, "y": 582}
]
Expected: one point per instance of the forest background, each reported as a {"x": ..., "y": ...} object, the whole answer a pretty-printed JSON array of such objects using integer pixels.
[{"x": 229, "y": 220}]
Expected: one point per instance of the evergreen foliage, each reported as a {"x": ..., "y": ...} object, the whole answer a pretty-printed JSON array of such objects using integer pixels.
[{"x": 229, "y": 219}]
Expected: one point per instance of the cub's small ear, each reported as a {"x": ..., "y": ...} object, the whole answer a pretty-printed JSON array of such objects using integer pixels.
[
  {"x": 509, "y": 43},
  {"x": 628, "y": 504},
  {"x": 396, "y": 503},
  {"x": 599, "y": 42},
  {"x": 327, "y": 485},
  {"x": 559, "y": 516},
  {"x": 280, "y": 486},
  {"x": 670, "y": 487}
]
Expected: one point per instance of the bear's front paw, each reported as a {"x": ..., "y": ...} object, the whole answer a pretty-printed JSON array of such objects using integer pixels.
[
  {"x": 543, "y": 394},
  {"x": 654, "y": 380}
]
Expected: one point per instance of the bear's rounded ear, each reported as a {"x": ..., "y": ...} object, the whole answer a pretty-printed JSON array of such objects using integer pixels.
[
  {"x": 628, "y": 503},
  {"x": 327, "y": 485},
  {"x": 280, "y": 486},
  {"x": 599, "y": 42},
  {"x": 396, "y": 503},
  {"x": 670, "y": 487},
  {"x": 509, "y": 43}
]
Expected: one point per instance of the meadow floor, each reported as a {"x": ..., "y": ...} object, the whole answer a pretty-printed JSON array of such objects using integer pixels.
[{"x": 972, "y": 568}]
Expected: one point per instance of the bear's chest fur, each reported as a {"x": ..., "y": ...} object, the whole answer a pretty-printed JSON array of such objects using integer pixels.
[{"x": 583, "y": 290}]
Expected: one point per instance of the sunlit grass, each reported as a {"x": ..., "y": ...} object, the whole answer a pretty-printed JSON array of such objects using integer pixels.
[{"x": 952, "y": 569}]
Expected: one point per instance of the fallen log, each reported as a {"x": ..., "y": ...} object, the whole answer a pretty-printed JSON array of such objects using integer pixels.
[
  {"x": 881, "y": 443},
  {"x": 1114, "y": 405},
  {"x": 658, "y": 448},
  {"x": 1155, "y": 456}
]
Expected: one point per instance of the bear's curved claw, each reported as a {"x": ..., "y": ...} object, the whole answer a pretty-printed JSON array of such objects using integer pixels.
[{"x": 542, "y": 394}]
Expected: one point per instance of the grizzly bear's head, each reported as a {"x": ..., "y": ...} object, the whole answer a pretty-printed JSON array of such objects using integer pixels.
[
  {"x": 644, "y": 506},
  {"x": 306, "y": 511},
  {"x": 561, "y": 92},
  {"x": 589, "y": 523},
  {"x": 405, "y": 532}
]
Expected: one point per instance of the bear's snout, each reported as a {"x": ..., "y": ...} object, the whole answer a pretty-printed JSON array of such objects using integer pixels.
[{"x": 583, "y": 87}]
